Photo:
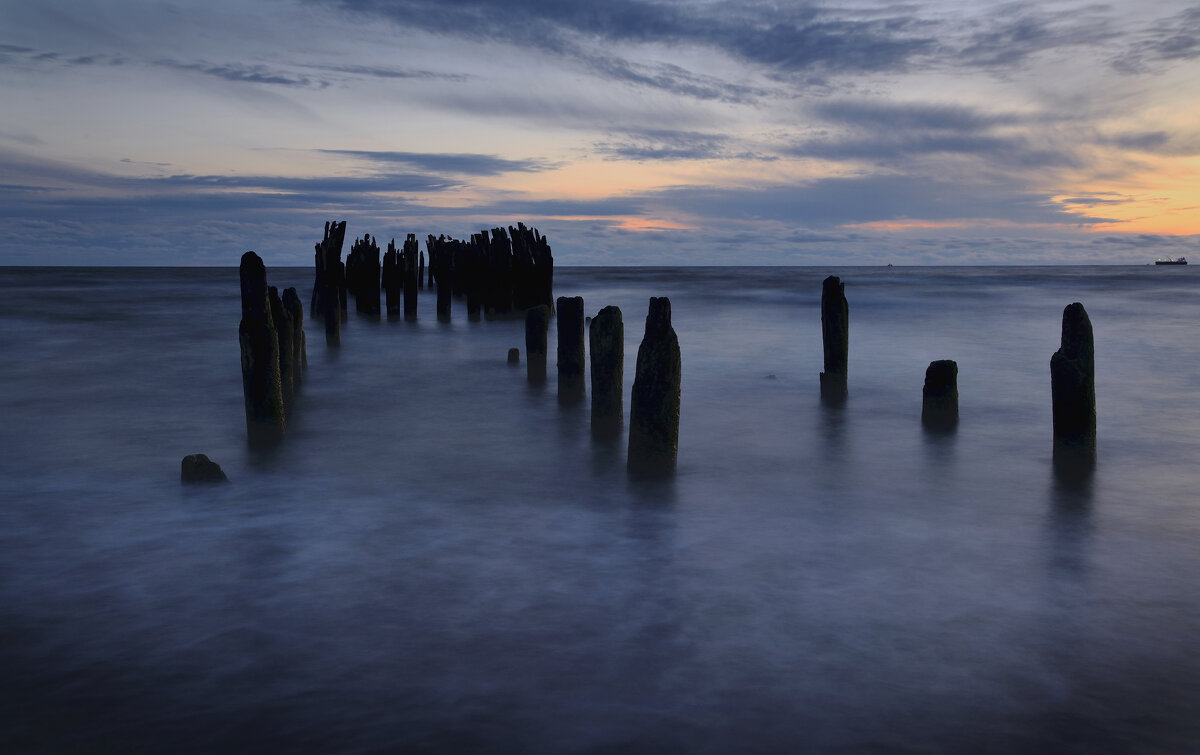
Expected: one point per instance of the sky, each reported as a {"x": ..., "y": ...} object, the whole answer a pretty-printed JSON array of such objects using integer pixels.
[{"x": 148, "y": 132}]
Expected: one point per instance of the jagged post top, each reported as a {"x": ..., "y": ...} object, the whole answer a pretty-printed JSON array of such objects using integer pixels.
[
  {"x": 1077, "y": 342},
  {"x": 832, "y": 286},
  {"x": 658, "y": 318}
]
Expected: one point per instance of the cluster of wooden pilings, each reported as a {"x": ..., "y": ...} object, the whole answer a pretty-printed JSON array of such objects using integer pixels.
[
  {"x": 654, "y": 404},
  {"x": 501, "y": 273},
  {"x": 1072, "y": 381},
  {"x": 274, "y": 356}
]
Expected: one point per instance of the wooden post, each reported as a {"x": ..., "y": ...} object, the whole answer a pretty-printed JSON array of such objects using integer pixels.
[{"x": 654, "y": 407}]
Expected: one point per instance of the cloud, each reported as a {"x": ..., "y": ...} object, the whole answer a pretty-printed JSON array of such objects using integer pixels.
[
  {"x": 788, "y": 39},
  {"x": 379, "y": 72},
  {"x": 1018, "y": 31},
  {"x": 459, "y": 163},
  {"x": 890, "y": 132},
  {"x": 1169, "y": 40},
  {"x": 244, "y": 74},
  {"x": 667, "y": 144}
]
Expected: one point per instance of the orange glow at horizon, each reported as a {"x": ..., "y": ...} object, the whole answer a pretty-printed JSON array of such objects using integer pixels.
[{"x": 1163, "y": 199}]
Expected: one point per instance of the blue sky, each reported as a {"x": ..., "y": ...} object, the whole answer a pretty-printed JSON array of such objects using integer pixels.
[{"x": 630, "y": 132}]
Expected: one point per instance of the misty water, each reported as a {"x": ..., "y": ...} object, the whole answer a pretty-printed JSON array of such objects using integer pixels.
[{"x": 440, "y": 558}]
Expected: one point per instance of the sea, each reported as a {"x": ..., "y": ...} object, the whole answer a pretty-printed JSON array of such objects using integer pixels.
[{"x": 440, "y": 558}]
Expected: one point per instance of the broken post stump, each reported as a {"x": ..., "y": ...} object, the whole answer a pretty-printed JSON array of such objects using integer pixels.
[
  {"x": 537, "y": 326},
  {"x": 198, "y": 468},
  {"x": 514, "y": 356},
  {"x": 606, "y": 338},
  {"x": 939, "y": 397},
  {"x": 654, "y": 405},
  {"x": 1073, "y": 392},
  {"x": 261, "y": 383},
  {"x": 571, "y": 386},
  {"x": 835, "y": 337}
]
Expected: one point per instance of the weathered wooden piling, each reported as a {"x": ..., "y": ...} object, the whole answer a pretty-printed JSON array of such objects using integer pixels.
[
  {"x": 421, "y": 271},
  {"x": 514, "y": 356},
  {"x": 654, "y": 405},
  {"x": 835, "y": 337},
  {"x": 606, "y": 338},
  {"x": 392, "y": 279},
  {"x": 287, "y": 352},
  {"x": 362, "y": 275},
  {"x": 537, "y": 326},
  {"x": 295, "y": 310},
  {"x": 571, "y": 386},
  {"x": 411, "y": 275},
  {"x": 329, "y": 290},
  {"x": 444, "y": 275},
  {"x": 261, "y": 383},
  {"x": 1073, "y": 392},
  {"x": 939, "y": 396}
]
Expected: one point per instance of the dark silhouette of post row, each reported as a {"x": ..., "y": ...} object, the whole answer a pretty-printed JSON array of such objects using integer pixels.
[
  {"x": 654, "y": 405},
  {"x": 261, "y": 382},
  {"x": 537, "y": 325},
  {"x": 835, "y": 338},
  {"x": 1073, "y": 391},
  {"x": 606, "y": 339},
  {"x": 571, "y": 387},
  {"x": 939, "y": 396}
]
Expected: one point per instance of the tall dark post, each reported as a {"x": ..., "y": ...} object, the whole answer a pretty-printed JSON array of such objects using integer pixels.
[
  {"x": 444, "y": 274},
  {"x": 606, "y": 337},
  {"x": 421, "y": 271},
  {"x": 329, "y": 296},
  {"x": 291, "y": 302},
  {"x": 654, "y": 406},
  {"x": 537, "y": 325},
  {"x": 287, "y": 352},
  {"x": 835, "y": 336},
  {"x": 261, "y": 384},
  {"x": 412, "y": 278},
  {"x": 1073, "y": 390},
  {"x": 392, "y": 279},
  {"x": 571, "y": 386},
  {"x": 939, "y": 397}
]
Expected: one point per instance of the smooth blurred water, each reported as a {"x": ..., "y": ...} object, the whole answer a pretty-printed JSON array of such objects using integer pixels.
[{"x": 440, "y": 558}]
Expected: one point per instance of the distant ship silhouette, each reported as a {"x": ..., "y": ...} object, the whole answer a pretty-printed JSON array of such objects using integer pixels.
[{"x": 1169, "y": 261}]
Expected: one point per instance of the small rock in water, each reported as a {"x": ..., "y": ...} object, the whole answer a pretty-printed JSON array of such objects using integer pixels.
[
  {"x": 770, "y": 377},
  {"x": 514, "y": 356},
  {"x": 200, "y": 468}
]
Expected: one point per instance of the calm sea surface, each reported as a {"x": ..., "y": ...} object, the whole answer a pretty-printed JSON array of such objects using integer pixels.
[{"x": 439, "y": 557}]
